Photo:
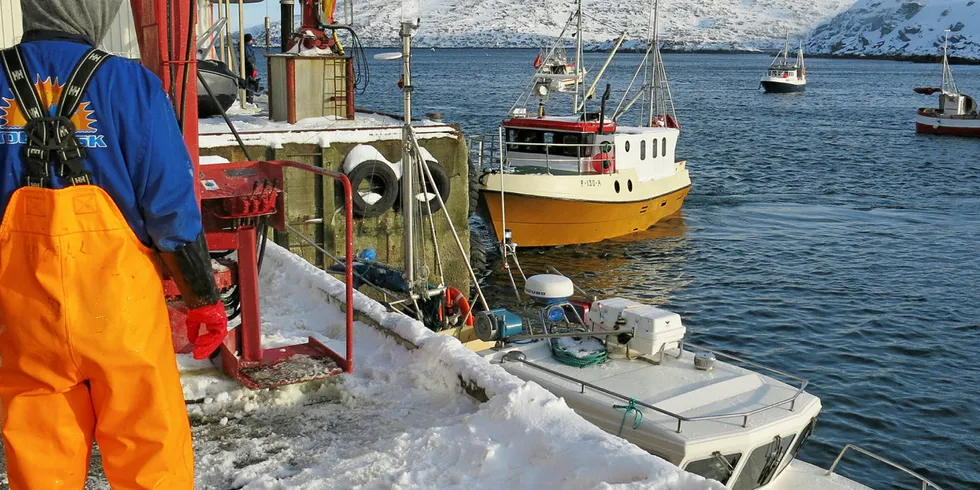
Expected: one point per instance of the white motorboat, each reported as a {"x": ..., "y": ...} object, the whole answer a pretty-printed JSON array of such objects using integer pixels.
[{"x": 627, "y": 368}]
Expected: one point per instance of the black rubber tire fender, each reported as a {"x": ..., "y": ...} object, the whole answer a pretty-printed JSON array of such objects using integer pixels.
[
  {"x": 381, "y": 179},
  {"x": 441, "y": 179}
]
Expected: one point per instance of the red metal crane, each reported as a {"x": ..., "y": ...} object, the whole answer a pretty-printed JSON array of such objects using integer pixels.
[{"x": 239, "y": 201}]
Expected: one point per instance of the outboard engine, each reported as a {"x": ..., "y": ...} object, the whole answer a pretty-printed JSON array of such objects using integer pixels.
[{"x": 652, "y": 329}]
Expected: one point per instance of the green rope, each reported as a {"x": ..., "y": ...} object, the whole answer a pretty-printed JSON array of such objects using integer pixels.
[
  {"x": 637, "y": 418},
  {"x": 563, "y": 356}
]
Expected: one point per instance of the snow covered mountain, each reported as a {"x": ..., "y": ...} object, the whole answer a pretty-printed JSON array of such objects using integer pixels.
[
  {"x": 685, "y": 24},
  {"x": 901, "y": 28}
]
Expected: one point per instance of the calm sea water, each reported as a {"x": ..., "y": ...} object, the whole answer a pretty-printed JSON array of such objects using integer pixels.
[{"x": 822, "y": 236}]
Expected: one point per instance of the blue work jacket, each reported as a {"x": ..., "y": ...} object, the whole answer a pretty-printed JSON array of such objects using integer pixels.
[{"x": 126, "y": 123}]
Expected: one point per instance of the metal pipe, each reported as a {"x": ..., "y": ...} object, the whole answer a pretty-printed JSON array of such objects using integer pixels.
[
  {"x": 349, "y": 252},
  {"x": 925, "y": 482},
  {"x": 228, "y": 47},
  {"x": 407, "y": 169},
  {"x": 221, "y": 37},
  {"x": 285, "y": 23},
  {"x": 268, "y": 34}
]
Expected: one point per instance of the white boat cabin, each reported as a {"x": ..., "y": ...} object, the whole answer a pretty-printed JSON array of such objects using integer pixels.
[{"x": 573, "y": 146}]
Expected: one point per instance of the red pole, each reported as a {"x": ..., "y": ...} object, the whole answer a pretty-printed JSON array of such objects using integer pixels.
[
  {"x": 153, "y": 33},
  {"x": 248, "y": 287},
  {"x": 349, "y": 270}
]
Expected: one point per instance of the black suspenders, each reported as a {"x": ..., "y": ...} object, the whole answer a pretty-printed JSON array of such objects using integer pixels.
[{"x": 52, "y": 137}]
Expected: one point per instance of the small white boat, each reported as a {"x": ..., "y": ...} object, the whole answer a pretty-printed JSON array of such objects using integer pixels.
[
  {"x": 957, "y": 113},
  {"x": 784, "y": 76},
  {"x": 627, "y": 368}
]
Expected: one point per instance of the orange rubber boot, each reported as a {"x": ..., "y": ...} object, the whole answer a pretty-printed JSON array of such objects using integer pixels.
[{"x": 85, "y": 348}]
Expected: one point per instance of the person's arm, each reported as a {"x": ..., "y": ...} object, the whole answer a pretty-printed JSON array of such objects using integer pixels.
[
  {"x": 161, "y": 174},
  {"x": 164, "y": 183}
]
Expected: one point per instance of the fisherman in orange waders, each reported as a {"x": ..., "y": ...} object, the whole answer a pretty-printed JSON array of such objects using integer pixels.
[{"x": 96, "y": 187}]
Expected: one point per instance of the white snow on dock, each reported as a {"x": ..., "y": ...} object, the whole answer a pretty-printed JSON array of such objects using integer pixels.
[
  {"x": 256, "y": 129},
  {"x": 401, "y": 420}
]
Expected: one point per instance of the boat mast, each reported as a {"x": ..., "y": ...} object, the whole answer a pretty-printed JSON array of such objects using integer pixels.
[
  {"x": 654, "y": 89},
  {"x": 578, "y": 61},
  {"x": 408, "y": 169},
  {"x": 786, "y": 51},
  {"x": 948, "y": 85}
]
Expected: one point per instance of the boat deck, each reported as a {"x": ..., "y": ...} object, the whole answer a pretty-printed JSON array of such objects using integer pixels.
[{"x": 721, "y": 397}]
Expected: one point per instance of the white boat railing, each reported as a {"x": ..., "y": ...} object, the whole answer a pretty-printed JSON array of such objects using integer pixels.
[
  {"x": 926, "y": 483},
  {"x": 487, "y": 155},
  {"x": 518, "y": 356}
]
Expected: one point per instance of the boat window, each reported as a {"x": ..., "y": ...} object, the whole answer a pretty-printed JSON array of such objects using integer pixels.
[
  {"x": 643, "y": 149},
  {"x": 533, "y": 140},
  {"x": 663, "y": 147},
  {"x": 574, "y": 140},
  {"x": 763, "y": 462},
  {"x": 807, "y": 432},
  {"x": 715, "y": 467},
  {"x": 626, "y": 146},
  {"x": 653, "y": 144}
]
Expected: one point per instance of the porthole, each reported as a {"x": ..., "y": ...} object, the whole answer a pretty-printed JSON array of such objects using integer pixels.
[
  {"x": 616, "y": 186},
  {"x": 627, "y": 147},
  {"x": 653, "y": 145},
  {"x": 629, "y": 185},
  {"x": 643, "y": 149},
  {"x": 663, "y": 147}
]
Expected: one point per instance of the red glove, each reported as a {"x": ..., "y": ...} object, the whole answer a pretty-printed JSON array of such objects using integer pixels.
[{"x": 215, "y": 322}]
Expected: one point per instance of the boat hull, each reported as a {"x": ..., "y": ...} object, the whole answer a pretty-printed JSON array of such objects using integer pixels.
[
  {"x": 540, "y": 212},
  {"x": 223, "y": 84},
  {"x": 969, "y": 127},
  {"x": 781, "y": 87}
]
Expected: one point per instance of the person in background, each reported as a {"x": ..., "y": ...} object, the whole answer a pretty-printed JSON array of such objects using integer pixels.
[
  {"x": 251, "y": 73},
  {"x": 96, "y": 190}
]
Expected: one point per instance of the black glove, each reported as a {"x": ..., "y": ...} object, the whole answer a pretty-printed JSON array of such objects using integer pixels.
[{"x": 190, "y": 266}]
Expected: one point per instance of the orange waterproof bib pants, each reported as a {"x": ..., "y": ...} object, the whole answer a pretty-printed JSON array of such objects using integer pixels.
[{"x": 85, "y": 348}]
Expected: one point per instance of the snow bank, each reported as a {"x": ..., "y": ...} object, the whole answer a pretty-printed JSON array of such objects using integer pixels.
[
  {"x": 901, "y": 28},
  {"x": 402, "y": 419}
]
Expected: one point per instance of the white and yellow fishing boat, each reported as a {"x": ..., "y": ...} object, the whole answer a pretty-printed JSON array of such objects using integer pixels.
[{"x": 586, "y": 177}]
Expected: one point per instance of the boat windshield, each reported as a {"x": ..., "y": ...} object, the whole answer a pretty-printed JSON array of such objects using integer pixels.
[
  {"x": 555, "y": 143},
  {"x": 762, "y": 465},
  {"x": 716, "y": 467}
]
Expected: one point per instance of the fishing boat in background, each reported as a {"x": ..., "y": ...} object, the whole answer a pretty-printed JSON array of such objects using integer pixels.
[
  {"x": 553, "y": 69},
  {"x": 784, "y": 76},
  {"x": 584, "y": 176},
  {"x": 957, "y": 113}
]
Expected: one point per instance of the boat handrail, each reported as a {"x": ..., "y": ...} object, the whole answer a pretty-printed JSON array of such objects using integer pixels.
[
  {"x": 519, "y": 356},
  {"x": 926, "y": 483},
  {"x": 803, "y": 381}
]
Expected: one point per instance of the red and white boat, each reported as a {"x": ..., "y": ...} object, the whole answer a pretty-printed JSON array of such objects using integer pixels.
[{"x": 957, "y": 113}]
